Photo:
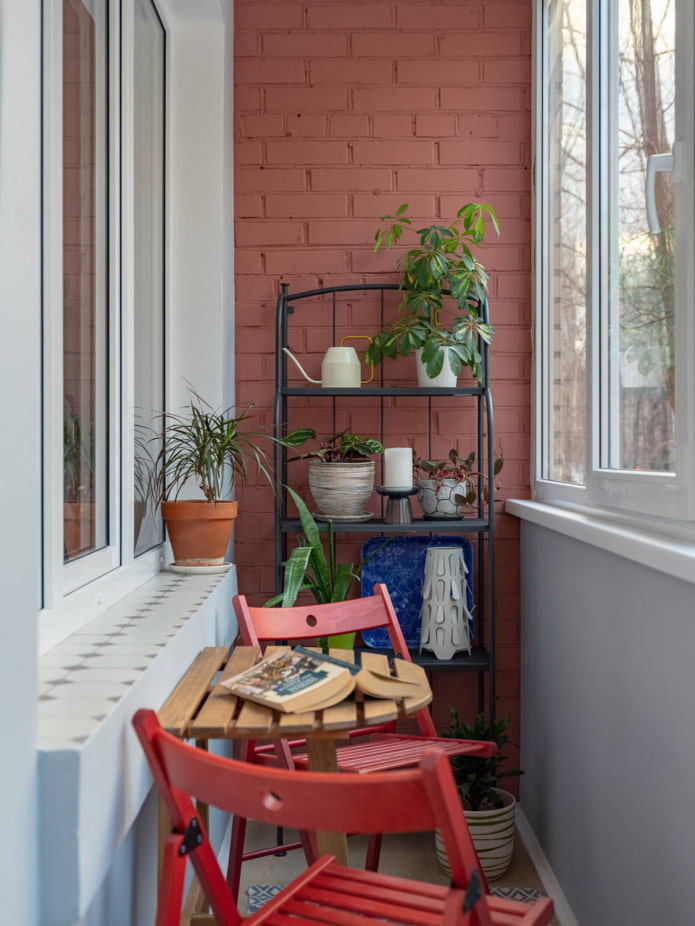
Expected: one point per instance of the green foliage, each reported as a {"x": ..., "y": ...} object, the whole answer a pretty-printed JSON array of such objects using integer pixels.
[
  {"x": 208, "y": 446},
  {"x": 339, "y": 448},
  {"x": 78, "y": 457},
  {"x": 442, "y": 264},
  {"x": 462, "y": 469},
  {"x": 476, "y": 776},
  {"x": 312, "y": 568}
]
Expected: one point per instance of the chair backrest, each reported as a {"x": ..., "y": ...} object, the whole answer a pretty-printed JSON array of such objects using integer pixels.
[
  {"x": 259, "y": 625},
  {"x": 412, "y": 800}
]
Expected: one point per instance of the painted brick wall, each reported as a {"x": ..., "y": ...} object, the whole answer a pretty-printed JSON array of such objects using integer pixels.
[{"x": 343, "y": 112}]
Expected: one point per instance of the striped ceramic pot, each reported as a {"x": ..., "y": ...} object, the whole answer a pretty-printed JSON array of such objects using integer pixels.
[
  {"x": 341, "y": 490},
  {"x": 493, "y": 836}
]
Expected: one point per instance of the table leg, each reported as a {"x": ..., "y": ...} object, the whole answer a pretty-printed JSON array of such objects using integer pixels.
[{"x": 322, "y": 758}]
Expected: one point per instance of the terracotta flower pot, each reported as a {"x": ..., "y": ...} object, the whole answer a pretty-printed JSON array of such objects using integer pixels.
[{"x": 199, "y": 531}]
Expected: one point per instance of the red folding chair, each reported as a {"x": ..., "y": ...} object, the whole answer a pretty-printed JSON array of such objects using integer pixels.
[
  {"x": 412, "y": 800},
  {"x": 382, "y": 750}
]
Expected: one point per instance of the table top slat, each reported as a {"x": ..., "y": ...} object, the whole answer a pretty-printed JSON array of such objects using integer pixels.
[
  {"x": 183, "y": 702},
  {"x": 377, "y": 662},
  {"x": 289, "y": 724},
  {"x": 380, "y": 710},
  {"x": 253, "y": 721},
  {"x": 346, "y": 655},
  {"x": 341, "y": 716},
  {"x": 411, "y": 672}
]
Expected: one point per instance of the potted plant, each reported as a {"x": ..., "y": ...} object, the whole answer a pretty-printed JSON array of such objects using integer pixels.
[
  {"x": 341, "y": 478},
  {"x": 489, "y": 810},
  {"x": 444, "y": 287},
  {"x": 78, "y": 484},
  {"x": 312, "y": 568},
  {"x": 210, "y": 448},
  {"x": 446, "y": 486}
]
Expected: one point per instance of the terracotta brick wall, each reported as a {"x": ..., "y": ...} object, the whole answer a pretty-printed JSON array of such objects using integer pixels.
[{"x": 343, "y": 112}]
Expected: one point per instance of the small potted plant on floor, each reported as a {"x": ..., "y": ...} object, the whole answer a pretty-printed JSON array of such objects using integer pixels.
[
  {"x": 210, "y": 448},
  {"x": 448, "y": 487},
  {"x": 341, "y": 477},
  {"x": 489, "y": 810},
  {"x": 444, "y": 287}
]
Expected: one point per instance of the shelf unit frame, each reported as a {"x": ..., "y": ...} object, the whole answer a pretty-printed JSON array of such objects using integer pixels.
[{"x": 482, "y": 659}]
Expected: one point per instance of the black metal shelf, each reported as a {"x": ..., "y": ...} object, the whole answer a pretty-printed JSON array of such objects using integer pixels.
[
  {"x": 481, "y": 660},
  {"x": 380, "y": 391},
  {"x": 379, "y": 526},
  {"x": 477, "y": 661}
]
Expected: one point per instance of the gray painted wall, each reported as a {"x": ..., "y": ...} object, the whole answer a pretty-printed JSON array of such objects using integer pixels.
[{"x": 608, "y": 732}]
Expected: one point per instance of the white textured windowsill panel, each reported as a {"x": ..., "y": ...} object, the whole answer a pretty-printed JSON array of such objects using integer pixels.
[
  {"x": 93, "y": 777},
  {"x": 674, "y": 556}
]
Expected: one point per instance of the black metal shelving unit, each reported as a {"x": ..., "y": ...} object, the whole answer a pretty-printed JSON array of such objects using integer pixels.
[{"x": 482, "y": 658}]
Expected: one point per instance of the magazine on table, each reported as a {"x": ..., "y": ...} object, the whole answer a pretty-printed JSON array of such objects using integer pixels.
[{"x": 300, "y": 679}]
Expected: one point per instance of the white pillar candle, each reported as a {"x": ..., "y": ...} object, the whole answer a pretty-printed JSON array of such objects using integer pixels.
[{"x": 398, "y": 467}]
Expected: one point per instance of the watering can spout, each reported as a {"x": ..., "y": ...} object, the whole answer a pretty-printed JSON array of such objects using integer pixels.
[{"x": 300, "y": 367}]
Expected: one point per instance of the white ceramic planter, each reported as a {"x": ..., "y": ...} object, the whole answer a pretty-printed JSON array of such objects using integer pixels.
[
  {"x": 445, "y": 380},
  {"x": 493, "y": 836},
  {"x": 341, "y": 490}
]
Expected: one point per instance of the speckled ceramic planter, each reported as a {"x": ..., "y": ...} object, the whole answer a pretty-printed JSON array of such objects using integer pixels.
[{"x": 436, "y": 497}]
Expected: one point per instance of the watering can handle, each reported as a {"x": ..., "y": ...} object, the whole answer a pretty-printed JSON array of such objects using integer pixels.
[{"x": 365, "y": 337}]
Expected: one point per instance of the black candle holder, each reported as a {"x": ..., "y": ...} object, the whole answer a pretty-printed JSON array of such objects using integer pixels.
[{"x": 398, "y": 508}]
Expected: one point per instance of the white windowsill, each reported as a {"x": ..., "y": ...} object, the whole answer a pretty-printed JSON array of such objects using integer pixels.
[
  {"x": 93, "y": 777},
  {"x": 674, "y": 556}
]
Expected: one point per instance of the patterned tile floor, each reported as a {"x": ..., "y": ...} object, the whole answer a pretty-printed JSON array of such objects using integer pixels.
[{"x": 83, "y": 678}]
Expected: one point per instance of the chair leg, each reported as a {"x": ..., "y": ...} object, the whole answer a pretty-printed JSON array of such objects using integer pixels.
[
  {"x": 236, "y": 854},
  {"x": 171, "y": 882},
  {"x": 373, "y": 852}
]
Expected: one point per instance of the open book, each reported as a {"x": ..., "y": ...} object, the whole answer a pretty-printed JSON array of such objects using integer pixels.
[{"x": 301, "y": 680}]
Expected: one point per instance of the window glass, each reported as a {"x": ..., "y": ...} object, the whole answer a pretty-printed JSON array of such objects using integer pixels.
[
  {"x": 640, "y": 404},
  {"x": 148, "y": 212},
  {"x": 85, "y": 476},
  {"x": 565, "y": 221}
]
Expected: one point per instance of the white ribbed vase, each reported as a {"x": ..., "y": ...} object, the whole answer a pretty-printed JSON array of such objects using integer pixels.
[
  {"x": 493, "y": 836},
  {"x": 444, "y": 616}
]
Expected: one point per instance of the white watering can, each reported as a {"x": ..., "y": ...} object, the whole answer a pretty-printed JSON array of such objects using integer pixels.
[{"x": 340, "y": 367}]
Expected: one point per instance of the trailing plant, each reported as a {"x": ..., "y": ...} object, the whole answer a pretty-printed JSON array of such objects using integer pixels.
[
  {"x": 462, "y": 469},
  {"x": 343, "y": 447},
  {"x": 208, "y": 446},
  {"x": 477, "y": 777},
  {"x": 442, "y": 265}
]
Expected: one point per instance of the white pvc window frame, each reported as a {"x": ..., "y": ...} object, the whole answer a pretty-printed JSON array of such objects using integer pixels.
[
  {"x": 643, "y": 495},
  {"x": 70, "y": 589}
]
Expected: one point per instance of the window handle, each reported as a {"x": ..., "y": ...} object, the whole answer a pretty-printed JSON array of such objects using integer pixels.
[{"x": 655, "y": 162}]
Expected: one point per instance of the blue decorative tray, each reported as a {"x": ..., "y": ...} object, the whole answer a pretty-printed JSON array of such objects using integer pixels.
[{"x": 400, "y": 565}]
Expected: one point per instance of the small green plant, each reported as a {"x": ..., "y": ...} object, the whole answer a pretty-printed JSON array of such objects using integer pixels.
[
  {"x": 208, "y": 446},
  {"x": 478, "y": 777},
  {"x": 442, "y": 265},
  {"x": 78, "y": 457},
  {"x": 312, "y": 568},
  {"x": 343, "y": 447},
  {"x": 462, "y": 469}
]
